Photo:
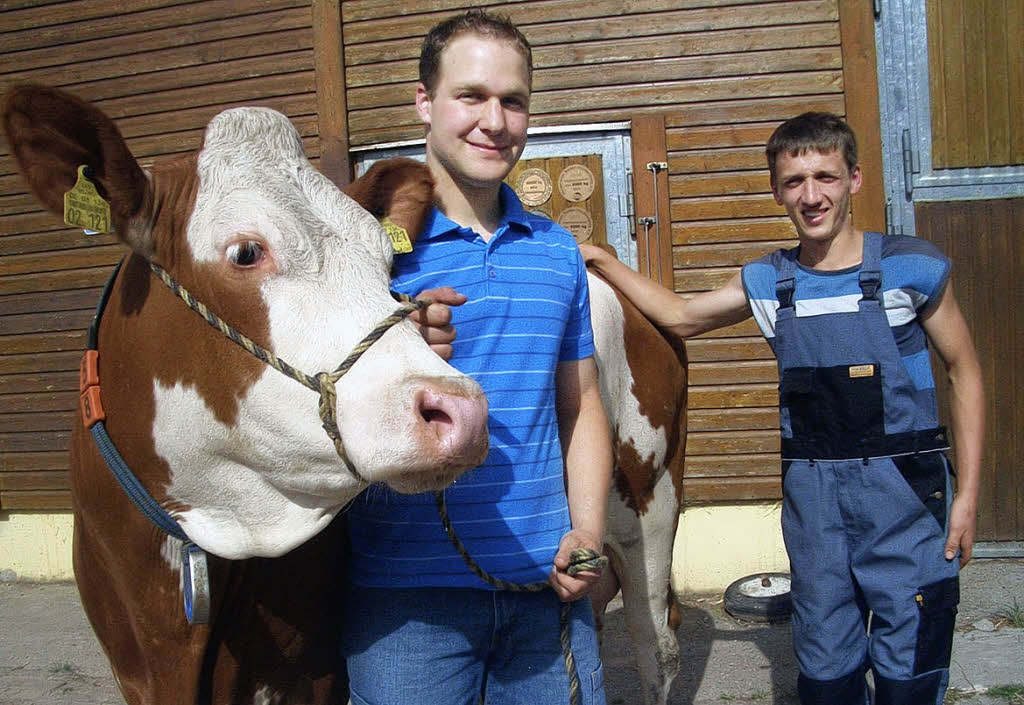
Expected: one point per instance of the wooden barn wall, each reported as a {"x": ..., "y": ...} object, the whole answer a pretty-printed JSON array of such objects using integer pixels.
[
  {"x": 723, "y": 74},
  {"x": 161, "y": 69}
]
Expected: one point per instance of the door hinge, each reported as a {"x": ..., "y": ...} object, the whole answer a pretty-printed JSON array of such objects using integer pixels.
[
  {"x": 893, "y": 226},
  {"x": 626, "y": 207},
  {"x": 910, "y": 164}
]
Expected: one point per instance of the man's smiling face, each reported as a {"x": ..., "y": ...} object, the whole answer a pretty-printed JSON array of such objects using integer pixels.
[
  {"x": 479, "y": 111},
  {"x": 815, "y": 189}
]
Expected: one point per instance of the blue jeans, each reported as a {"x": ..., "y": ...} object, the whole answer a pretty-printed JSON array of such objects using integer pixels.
[{"x": 449, "y": 646}]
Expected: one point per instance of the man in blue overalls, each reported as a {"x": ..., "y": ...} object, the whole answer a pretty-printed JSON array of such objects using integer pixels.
[{"x": 868, "y": 518}]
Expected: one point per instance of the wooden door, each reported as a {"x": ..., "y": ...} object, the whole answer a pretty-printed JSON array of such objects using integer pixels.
[{"x": 986, "y": 241}]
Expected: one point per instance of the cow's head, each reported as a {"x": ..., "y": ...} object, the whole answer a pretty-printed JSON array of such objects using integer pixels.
[{"x": 251, "y": 229}]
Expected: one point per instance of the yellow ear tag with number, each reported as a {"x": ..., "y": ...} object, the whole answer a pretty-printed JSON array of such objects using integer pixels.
[
  {"x": 399, "y": 236},
  {"x": 85, "y": 207}
]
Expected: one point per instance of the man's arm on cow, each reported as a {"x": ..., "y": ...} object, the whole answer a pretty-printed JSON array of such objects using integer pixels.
[
  {"x": 666, "y": 309},
  {"x": 947, "y": 330},
  {"x": 435, "y": 321},
  {"x": 587, "y": 449}
]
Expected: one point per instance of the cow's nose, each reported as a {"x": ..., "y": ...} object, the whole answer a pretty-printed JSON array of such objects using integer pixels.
[{"x": 456, "y": 421}]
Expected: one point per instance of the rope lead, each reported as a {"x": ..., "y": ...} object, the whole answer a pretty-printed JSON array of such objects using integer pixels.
[{"x": 580, "y": 559}]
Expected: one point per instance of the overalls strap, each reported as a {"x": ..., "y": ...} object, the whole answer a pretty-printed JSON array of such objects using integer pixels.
[
  {"x": 871, "y": 266},
  {"x": 785, "y": 281}
]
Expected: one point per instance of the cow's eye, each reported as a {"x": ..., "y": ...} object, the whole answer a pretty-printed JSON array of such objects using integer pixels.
[{"x": 247, "y": 253}]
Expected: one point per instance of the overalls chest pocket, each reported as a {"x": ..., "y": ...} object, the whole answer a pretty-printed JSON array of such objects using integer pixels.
[{"x": 834, "y": 409}]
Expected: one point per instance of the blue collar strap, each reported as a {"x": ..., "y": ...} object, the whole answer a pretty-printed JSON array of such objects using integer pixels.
[{"x": 196, "y": 581}]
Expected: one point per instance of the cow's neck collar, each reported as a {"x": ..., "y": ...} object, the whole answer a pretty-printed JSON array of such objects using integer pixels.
[{"x": 196, "y": 582}]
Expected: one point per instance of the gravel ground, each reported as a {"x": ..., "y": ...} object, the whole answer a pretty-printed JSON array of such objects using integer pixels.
[{"x": 48, "y": 655}]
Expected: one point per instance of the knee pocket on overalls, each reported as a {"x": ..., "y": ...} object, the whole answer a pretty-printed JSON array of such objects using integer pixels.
[
  {"x": 937, "y": 603},
  {"x": 925, "y": 474}
]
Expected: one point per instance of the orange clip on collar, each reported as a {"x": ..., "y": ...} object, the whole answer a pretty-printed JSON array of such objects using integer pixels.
[{"x": 89, "y": 389}]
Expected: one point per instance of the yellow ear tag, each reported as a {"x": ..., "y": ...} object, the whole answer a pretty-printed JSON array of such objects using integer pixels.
[
  {"x": 399, "y": 236},
  {"x": 84, "y": 207}
]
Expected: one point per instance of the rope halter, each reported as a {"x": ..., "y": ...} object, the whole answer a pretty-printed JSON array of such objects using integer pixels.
[{"x": 323, "y": 382}]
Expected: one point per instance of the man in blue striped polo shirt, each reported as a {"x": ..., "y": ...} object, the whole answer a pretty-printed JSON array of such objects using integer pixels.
[{"x": 421, "y": 626}]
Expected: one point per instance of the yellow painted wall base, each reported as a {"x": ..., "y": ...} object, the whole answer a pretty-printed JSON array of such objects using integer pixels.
[
  {"x": 36, "y": 546},
  {"x": 715, "y": 545}
]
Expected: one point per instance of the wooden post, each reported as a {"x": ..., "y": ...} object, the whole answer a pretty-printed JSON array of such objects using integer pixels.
[
  {"x": 860, "y": 85},
  {"x": 331, "y": 106}
]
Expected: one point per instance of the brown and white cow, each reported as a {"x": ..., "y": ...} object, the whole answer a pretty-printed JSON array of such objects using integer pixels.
[
  {"x": 232, "y": 449},
  {"x": 643, "y": 386}
]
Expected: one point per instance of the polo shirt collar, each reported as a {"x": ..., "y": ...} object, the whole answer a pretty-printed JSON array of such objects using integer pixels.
[{"x": 512, "y": 216}]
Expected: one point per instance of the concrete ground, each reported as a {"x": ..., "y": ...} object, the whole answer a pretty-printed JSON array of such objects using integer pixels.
[{"x": 48, "y": 655}]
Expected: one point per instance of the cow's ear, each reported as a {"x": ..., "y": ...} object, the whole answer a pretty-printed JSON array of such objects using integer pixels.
[
  {"x": 399, "y": 189},
  {"x": 51, "y": 133}
]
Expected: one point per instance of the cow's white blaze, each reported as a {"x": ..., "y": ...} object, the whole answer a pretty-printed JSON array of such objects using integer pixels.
[{"x": 273, "y": 479}]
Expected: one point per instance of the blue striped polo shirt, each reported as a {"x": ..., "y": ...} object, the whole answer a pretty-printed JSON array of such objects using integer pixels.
[
  {"x": 527, "y": 310},
  {"x": 914, "y": 275}
]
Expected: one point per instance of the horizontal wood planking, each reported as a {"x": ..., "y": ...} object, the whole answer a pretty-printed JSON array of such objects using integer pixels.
[
  {"x": 35, "y": 441},
  {"x": 705, "y": 490},
  {"x": 61, "y": 361},
  {"x": 161, "y": 70},
  {"x": 37, "y": 382},
  {"x": 41, "y": 402},
  {"x": 386, "y": 38},
  {"x": 732, "y": 230},
  {"x": 728, "y": 443},
  {"x": 55, "y": 341},
  {"x": 758, "y": 418},
  {"x": 733, "y": 396},
  {"x": 45, "y": 500},
  {"x": 725, "y": 255},
  {"x": 738, "y": 372},
  {"x": 42, "y": 480},
  {"x": 51, "y": 301},
  {"x": 57, "y": 280},
  {"x": 33, "y": 422},
  {"x": 29, "y": 462},
  {"x": 97, "y": 255},
  {"x": 56, "y": 320},
  {"x": 94, "y": 23},
  {"x": 741, "y": 465},
  {"x": 619, "y": 102},
  {"x": 707, "y": 113},
  {"x": 636, "y": 49},
  {"x": 629, "y": 73},
  {"x": 109, "y": 77}
]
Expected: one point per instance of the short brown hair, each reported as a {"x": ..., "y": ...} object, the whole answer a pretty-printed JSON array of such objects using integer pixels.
[
  {"x": 475, "y": 21},
  {"x": 820, "y": 132}
]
